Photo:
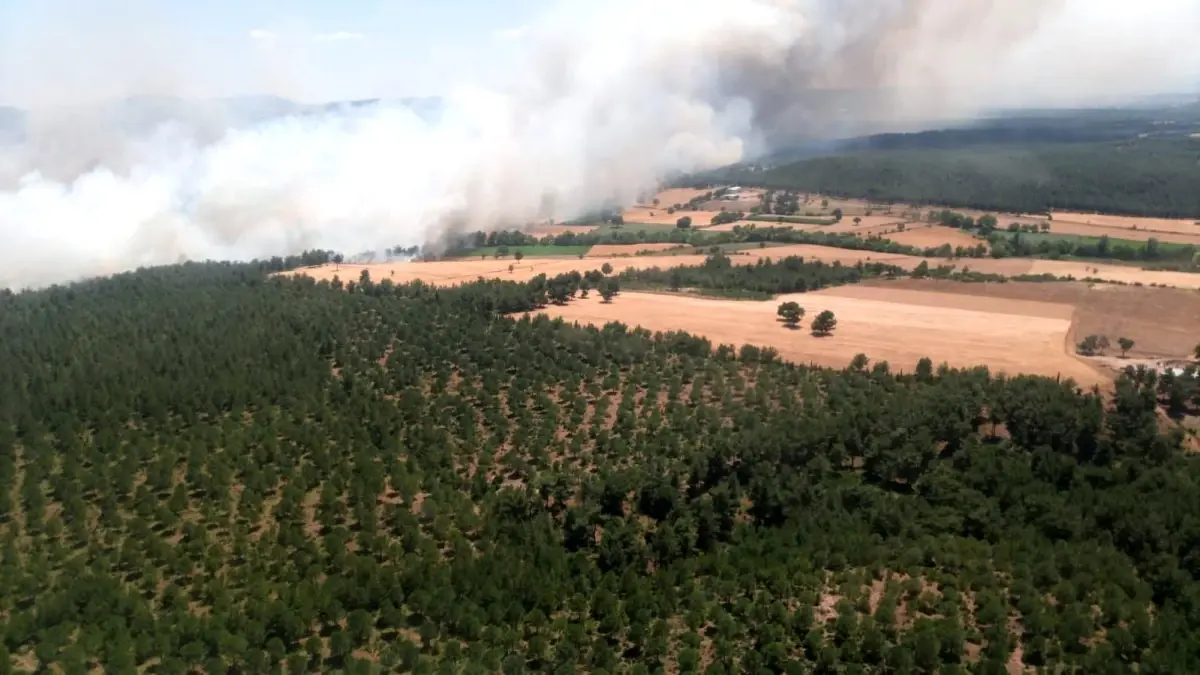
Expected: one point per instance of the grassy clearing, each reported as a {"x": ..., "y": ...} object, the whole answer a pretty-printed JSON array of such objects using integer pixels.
[{"x": 536, "y": 251}]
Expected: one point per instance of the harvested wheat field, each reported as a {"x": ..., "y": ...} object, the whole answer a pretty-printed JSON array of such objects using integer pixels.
[
  {"x": 729, "y": 227},
  {"x": 1162, "y": 322},
  {"x": 1117, "y": 273},
  {"x": 554, "y": 230},
  {"x": 865, "y": 224},
  {"x": 459, "y": 271},
  {"x": 1004, "y": 266},
  {"x": 930, "y": 236},
  {"x": 678, "y": 196},
  {"x": 1128, "y": 222},
  {"x": 619, "y": 250},
  {"x": 451, "y": 272},
  {"x": 659, "y": 216},
  {"x": 831, "y": 254},
  {"x": 896, "y": 326},
  {"x": 1060, "y": 227}
]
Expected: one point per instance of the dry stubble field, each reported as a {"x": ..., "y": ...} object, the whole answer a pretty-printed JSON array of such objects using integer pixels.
[
  {"x": 451, "y": 272},
  {"x": 1061, "y": 227},
  {"x": 897, "y": 326},
  {"x": 1163, "y": 322},
  {"x": 620, "y": 250},
  {"x": 1127, "y": 223}
]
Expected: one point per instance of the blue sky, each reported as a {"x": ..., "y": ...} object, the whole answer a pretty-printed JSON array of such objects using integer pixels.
[{"x": 306, "y": 49}]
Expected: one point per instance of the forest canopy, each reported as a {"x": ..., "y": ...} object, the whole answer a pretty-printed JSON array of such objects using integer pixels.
[
  {"x": 1142, "y": 177},
  {"x": 205, "y": 468}
]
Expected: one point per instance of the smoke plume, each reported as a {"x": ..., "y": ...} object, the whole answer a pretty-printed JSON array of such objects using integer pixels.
[{"x": 612, "y": 97}]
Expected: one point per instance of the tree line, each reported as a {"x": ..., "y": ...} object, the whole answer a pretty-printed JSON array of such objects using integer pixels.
[{"x": 1142, "y": 177}]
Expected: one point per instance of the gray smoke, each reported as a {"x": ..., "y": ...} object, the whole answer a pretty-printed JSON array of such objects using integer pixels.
[{"x": 612, "y": 97}]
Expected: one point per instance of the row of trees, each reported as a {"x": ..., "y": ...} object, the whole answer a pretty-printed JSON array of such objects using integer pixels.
[
  {"x": 765, "y": 277},
  {"x": 791, "y": 313}
]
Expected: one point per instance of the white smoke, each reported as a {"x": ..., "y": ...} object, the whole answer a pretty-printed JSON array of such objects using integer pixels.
[{"x": 616, "y": 96}]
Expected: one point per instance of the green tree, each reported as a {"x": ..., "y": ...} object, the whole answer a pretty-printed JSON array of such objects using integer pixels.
[
  {"x": 791, "y": 312},
  {"x": 606, "y": 269},
  {"x": 518, "y": 255},
  {"x": 609, "y": 288},
  {"x": 1125, "y": 344},
  {"x": 1089, "y": 346},
  {"x": 824, "y": 324}
]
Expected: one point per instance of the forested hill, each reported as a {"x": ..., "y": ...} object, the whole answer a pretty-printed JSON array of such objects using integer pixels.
[
  {"x": 1146, "y": 177},
  {"x": 206, "y": 469}
]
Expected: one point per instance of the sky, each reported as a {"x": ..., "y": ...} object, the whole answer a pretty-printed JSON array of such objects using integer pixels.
[
  {"x": 65, "y": 52},
  {"x": 61, "y": 52}
]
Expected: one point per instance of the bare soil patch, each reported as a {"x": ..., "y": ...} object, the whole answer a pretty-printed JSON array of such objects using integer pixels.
[
  {"x": 898, "y": 326},
  {"x": 1164, "y": 323},
  {"x": 1127, "y": 222},
  {"x": 619, "y": 250}
]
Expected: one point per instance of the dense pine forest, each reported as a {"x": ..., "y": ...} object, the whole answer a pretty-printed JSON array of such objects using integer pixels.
[
  {"x": 1136, "y": 176},
  {"x": 208, "y": 469}
]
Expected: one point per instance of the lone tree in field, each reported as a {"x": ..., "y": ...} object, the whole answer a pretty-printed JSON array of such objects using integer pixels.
[
  {"x": 791, "y": 312},
  {"x": 606, "y": 269},
  {"x": 337, "y": 261},
  {"x": 684, "y": 222},
  {"x": 837, "y": 214},
  {"x": 824, "y": 324},
  {"x": 501, "y": 251},
  {"x": 1125, "y": 344},
  {"x": 609, "y": 288},
  {"x": 857, "y": 221},
  {"x": 518, "y": 255}
]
